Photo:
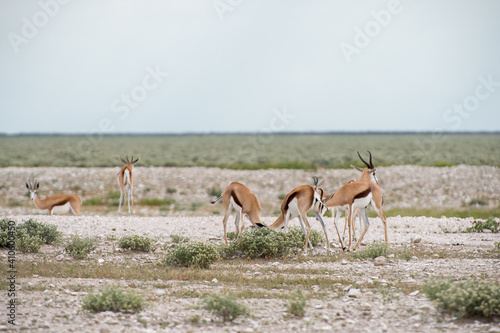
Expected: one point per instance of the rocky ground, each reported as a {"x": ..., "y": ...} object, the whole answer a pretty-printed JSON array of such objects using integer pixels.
[{"x": 364, "y": 295}]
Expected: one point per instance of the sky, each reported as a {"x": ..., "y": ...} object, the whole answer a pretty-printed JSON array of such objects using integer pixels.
[{"x": 204, "y": 66}]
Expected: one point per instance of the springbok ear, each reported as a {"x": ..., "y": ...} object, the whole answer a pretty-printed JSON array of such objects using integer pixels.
[{"x": 357, "y": 168}]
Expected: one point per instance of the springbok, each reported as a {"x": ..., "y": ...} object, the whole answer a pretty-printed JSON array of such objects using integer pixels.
[
  {"x": 125, "y": 179},
  {"x": 239, "y": 197},
  {"x": 59, "y": 204},
  {"x": 297, "y": 203},
  {"x": 349, "y": 197},
  {"x": 368, "y": 174}
]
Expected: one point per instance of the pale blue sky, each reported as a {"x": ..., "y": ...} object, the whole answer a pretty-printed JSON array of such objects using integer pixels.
[{"x": 238, "y": 65}]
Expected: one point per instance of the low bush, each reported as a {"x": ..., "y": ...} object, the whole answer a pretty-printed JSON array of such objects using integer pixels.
[
  {"x": 79, "y": 247},
  {"x": 266, "y": 243},
  {"x": 374, "y": 250},
  {"x": 28, "y": 236},
  {"x": 137, "y": 243},
  {"x": 480, "y": 226},
  {"x": 179, "y": 239},
  {"x": 297, "y": 304},
  {"x": 225, "y": 307},
  {"x": 114, "y": 299},
  {"x": 197, "y": 254},
  {"x": 465, "y": 298}
]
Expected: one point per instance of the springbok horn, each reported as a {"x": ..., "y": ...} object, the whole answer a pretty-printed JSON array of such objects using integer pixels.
[
  {"x": 371, "y": 163},
  {"x": 123, "y": 160},
  {"x": 133, "y": 162},
  {"x": 315, "y": 180},
  {"x": 368, "y": 165}
]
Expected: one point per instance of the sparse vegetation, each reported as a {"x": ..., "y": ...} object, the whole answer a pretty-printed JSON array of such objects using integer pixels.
[
  {"x": 137, "y": 243},
  {"x": 297, "y": 304},
  {"x": 479, "y": 226},
  {"x": 336, "y": 152},
  {"x": 79, "y": 247},
  {"x": 198, "y": 254},
  {"x": 112, "y": 298},
  {"x": 375, "y": 249},
  {"x": 225, "y": 307},
  {"x": 465, "y": 298}
]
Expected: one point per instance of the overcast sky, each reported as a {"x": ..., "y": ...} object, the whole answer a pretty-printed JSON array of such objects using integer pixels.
[{"x": 239, "y": 65}]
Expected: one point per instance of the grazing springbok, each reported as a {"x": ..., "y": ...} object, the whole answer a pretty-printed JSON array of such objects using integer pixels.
[
  {"x": 239, "y": 197},
  {"x": 125, "y": 179},
  {"x": 297, "y": 203},
  {"x": 59, "y": 204}
]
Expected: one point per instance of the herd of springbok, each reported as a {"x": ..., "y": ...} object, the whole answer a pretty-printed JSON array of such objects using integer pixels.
[{"x": 352, "y": 198}]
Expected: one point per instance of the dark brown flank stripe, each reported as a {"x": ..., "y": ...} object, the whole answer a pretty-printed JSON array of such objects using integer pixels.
[
  {"x": 362, "y": 194},
  {"x": 290, "y": 198},
  {"x": 235, "y": 198}
]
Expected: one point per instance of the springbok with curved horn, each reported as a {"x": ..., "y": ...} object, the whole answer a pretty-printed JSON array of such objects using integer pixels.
[
  {"x": 59, "y": 204},
  {"x": 297, "y": 203},
  {"x": 125, "y": 179},
  {"x": 349, "y": 197},
  {"x": 239, "y": 197},
  {"x": 368, "y": 174}
]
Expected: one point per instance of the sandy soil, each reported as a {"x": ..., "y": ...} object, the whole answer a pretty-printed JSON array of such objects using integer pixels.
[{"x": 50, "y": 304}]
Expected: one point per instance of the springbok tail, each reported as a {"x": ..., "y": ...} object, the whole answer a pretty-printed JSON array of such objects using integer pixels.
[
  {"x": 216, "y": 199},
  {"x": 279, "y": 222}
]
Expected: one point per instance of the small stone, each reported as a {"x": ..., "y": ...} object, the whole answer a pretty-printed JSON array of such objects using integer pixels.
[
  {"x": 417, "y": 240},
  {"x": 380, "y": 261},
  {"x": 344, "y": 262},
  {"x": 100, "y": 261},
  {"x": 414, "y": 293},
  {"x": 104, "y": 330},
  {"x": 60, "y": 257},
  {"x": 214, "y": 280},
  {"x": 391, "y": 255},
  {"x": 160, "y": 292},
  {"x": 354, "y": 292}
]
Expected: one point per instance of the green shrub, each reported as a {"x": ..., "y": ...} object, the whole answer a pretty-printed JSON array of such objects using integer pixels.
[
  {"x": 157, "y": 201},
  {"x": 478, "y": 202},
  {"x": 171, "y": 190},
  {"x": 232, "y": 235},
  {"x": 465, "y": 298},
  {"x": 26, "y": 242},
  {"x": 297, "y": 304},
  {"x": 225, "y": 307},
  {"x": 48, "y": 233},
  {"x": 79, "y": 247},
  {"x": 30, "y": 235},
  {"x": 137, "y": 243},
  {"x": 266, "y": 243},
  {"x": 114, "y": 299},
  {"x": 375, "y": 249},
  {"x": 480, "y": 226},
  {"x": 214, "y": 192},
  {"x": 406, "y": 253},
  {"x": 179, "y": 239},
  {"x": 197, "y": 254}
]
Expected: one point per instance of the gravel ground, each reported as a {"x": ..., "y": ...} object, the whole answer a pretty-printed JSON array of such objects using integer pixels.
[{"x": 49, "y": 304}]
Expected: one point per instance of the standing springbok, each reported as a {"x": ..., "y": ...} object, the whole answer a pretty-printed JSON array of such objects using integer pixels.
[
  {"x": 368, "y": 174},
  {"x": 239, "y": 197},
  {"x": 351, "y": 196},
  {"x": 297, "y": 203},
  {"x": 59, "y": 204},
  {"x": 125, "y": 179}
]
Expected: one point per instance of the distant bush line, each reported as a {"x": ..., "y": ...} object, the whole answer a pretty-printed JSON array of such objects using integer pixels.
[{"x": 259, "y": 151}]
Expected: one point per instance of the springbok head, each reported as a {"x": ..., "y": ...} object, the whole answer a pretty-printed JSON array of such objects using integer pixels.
[
  {"x": 318, "y": 196},
  {"x": 32, "y": 188},
  {"x": 131, "y": 162},
  {"x": 370, "y": 169}
]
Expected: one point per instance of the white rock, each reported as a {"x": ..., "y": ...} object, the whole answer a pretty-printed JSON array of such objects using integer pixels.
[
  {"x": 214, "y": 280},
  {"x": 354, "y": 292},
  {"x": 414, "y": 293},
  {"x": 380, "y": 261}
]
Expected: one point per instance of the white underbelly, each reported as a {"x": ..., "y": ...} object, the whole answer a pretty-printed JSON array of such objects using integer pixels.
[
  {"x": 362, "y": 202},
  {"x": 64, "y": 209}
]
